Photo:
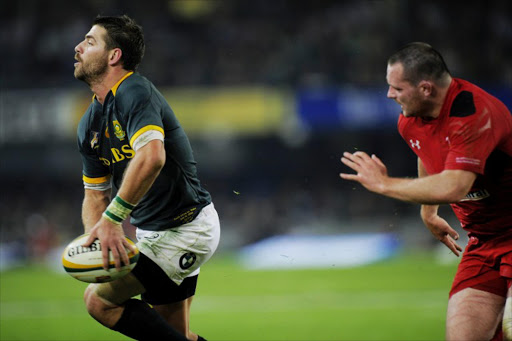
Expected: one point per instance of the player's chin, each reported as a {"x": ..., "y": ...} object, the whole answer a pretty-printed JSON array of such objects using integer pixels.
[
  {"x": 407, "y": 113},
  {"x": 79, "y": 74}
]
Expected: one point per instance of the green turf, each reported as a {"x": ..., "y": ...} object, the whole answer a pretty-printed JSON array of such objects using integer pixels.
[{"x": 400, "y": 299}]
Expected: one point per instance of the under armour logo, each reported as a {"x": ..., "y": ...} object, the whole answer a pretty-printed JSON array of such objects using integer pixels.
[
  {"x": 187, "y": 260},
  {"x": 415, "y": 144}
]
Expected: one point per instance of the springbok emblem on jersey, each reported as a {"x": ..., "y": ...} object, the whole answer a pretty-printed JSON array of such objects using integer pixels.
[
  {"x": 415, "y": 144},
  {"x": 118, "y": 130},
  {"x": 94, "y": 139}
]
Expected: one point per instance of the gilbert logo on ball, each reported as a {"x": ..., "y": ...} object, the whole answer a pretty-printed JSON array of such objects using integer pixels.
[{"x": 86, "y": 263}]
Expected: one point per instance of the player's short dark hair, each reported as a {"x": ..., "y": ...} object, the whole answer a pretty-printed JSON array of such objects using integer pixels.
[
  {"x": 420, "y": 62},
  {"x": 124, "y": 33}
]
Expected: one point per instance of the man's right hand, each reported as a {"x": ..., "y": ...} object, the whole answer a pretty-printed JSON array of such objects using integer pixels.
[{"x": 112, "y": 238}]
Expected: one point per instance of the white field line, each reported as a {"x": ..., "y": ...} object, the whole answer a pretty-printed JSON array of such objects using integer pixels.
[{"x": 328, "y": 301}]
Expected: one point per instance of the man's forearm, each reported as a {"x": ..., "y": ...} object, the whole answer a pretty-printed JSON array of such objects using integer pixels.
[
  {"x": 93, "y": 208},
  {"x": 142, "y": 171},
  {"x": 442, "y": 188}
]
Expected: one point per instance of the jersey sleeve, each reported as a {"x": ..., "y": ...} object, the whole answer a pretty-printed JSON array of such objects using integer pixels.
[
  {"x": 95, "y": 174},
  {"x": 142, "y": 113},
  {"x": 471, "y": 140},
  {"x": 143, "y": 137}
]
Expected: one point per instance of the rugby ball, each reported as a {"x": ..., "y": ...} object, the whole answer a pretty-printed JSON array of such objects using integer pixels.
[{"x": 86, "y": 263}]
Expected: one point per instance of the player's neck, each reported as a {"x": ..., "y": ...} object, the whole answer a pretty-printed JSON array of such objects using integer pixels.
[
  {"x": 103, "y": 86},
  {"x": 439, "y": 99}
]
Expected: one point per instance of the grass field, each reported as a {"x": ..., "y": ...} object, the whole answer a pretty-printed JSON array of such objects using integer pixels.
[{"x": 400, "y": 299}]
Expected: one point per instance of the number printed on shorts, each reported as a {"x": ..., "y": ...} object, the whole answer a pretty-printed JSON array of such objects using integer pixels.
[{"x": 153, "y": 236}]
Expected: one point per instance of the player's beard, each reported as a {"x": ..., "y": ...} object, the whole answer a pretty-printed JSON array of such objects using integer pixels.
[
  {"x": 420, "y": 109},
  {"x": 415, "y": 106},
  {"x": 92, "y": 72}
]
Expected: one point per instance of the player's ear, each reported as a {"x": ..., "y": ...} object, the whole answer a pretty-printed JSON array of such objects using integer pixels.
[
  {"x": 426, "y": 88},
  {"x": 115, "y": 56}
]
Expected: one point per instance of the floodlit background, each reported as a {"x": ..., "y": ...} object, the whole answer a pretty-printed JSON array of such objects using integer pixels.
[{"x": 270, "y": 93}]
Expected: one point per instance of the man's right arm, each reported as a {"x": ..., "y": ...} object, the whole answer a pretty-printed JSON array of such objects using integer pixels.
[{"x": 94, "y": 204}]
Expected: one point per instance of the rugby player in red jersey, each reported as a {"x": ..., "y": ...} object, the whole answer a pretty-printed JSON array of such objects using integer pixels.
[{"x": 463, "y": 139}]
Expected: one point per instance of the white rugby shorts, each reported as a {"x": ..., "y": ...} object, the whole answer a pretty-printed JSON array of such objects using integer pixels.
[{"x": 182, "y": 250}]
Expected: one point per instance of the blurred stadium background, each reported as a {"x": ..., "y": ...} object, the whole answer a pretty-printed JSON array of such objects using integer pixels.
[{"x": 271, "y": 93}]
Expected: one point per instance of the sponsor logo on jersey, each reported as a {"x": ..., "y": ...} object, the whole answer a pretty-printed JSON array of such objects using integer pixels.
[
  {"x": 94, "y": 139},
  {"x": 187, "y": 260},
  {"x": 119, "y": 155},
  {"x": 118, "y": 130},
  {"x": 415, "y": 144},
  {"x": 476, "y": 195}
]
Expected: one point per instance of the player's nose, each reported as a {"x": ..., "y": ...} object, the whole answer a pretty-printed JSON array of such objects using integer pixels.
[
  {"x": 78, "y": 48},
  {"x": 391, "y": 93}
]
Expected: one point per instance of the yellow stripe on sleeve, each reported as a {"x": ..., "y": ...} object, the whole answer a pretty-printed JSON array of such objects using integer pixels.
[
  {"x": 101, "y": 180},
  {"x": 143, "y": 130}
]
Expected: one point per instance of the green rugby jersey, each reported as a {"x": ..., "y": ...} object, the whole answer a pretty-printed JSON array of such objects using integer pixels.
[{"x": 105, "y": 139}]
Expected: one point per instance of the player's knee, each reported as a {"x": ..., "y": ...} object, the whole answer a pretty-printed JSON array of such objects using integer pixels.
[
  {"x": 92, "y": 303},
  {"x": 96, "y": 305},
  {"x": 87, "y": 294}
]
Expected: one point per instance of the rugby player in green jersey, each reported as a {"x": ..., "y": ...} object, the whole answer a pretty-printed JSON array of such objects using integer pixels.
[{"x": 130, "y": 140}]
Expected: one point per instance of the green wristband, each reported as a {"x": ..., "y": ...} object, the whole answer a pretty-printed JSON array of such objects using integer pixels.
[{"x": 118, "y": 210}]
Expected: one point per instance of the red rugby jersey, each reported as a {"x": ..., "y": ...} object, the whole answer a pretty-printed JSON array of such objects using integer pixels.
[{"x": 473, "y": 132}]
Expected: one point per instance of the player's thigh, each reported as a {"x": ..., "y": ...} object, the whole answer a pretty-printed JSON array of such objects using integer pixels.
[
  {"x": 507, "y": 317},
  {"x": 116, "y": 292},
  {"x": 180, "y": 252},
  {"x": 473, "y": 315}
]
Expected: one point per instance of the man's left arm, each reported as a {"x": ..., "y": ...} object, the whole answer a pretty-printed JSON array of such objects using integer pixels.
[{"x": 438, "y": 226}]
